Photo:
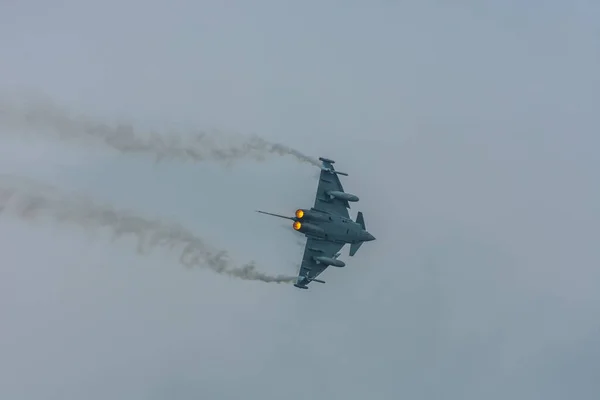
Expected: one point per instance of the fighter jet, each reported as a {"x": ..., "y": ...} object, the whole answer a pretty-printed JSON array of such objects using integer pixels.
[{"x": 327, "y": 226}]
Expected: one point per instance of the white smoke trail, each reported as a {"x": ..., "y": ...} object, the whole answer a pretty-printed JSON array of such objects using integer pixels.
[
  {"x": 34, "y": 114},
  {"x": 30, "y": 200}
]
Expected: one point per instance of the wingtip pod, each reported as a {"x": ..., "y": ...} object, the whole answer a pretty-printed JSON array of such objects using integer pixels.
[
  {"x": 300, "y": 287},
  {"x": 328, "y": 166}
]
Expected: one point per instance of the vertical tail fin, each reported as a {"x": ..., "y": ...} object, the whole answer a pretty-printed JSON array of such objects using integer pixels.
[
  {"x": 360, "y": 220},
  {"x": 355, "y": 246}
]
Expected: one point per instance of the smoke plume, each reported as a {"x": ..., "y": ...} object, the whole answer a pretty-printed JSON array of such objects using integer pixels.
[
  {"x": 30, "y": 200},
  {"x": 34, "y": 114}
]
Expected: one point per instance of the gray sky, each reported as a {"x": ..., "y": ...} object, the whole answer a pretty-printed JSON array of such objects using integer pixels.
[{"x": 469, "y": 132}]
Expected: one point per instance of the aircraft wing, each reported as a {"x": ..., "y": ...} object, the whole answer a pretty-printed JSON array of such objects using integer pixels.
[
  {"x": 330, "y": 181},
  {"x": 310, "y": 269}
]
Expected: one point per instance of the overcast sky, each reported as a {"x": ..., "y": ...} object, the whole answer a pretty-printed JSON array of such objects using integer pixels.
[{"x": 469, "y": 130}]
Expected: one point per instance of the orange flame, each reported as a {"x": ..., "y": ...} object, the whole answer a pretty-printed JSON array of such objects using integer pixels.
[
  {"x": 299, "y": 213},
  {"x": 297, "y": 225}
]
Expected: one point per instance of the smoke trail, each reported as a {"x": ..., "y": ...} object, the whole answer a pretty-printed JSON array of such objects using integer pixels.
[
  {"x": 43, "y": 115},
  {"x": 28, "y": 200}
]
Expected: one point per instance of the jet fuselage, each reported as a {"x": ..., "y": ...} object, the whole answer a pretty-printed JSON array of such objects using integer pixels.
[{"x": 331, "y": 227}]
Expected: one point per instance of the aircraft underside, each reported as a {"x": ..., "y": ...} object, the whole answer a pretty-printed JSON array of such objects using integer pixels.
[{"x": 327, "y": 226}]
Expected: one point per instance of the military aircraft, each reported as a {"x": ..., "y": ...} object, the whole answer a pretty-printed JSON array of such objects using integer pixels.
[{"x": 327, "y": 226}]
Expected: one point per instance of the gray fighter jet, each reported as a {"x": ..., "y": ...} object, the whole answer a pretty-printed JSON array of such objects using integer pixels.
[{"x": 327, "y": 226}]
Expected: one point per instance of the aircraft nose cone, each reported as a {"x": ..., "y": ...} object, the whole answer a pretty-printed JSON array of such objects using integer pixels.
[{"x": 369, "y": 236}]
